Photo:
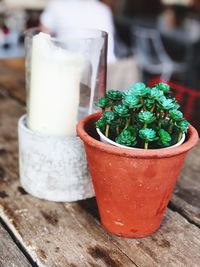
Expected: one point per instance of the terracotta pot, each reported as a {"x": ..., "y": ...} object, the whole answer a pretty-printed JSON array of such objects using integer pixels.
[{"x": 133, "y": 187}]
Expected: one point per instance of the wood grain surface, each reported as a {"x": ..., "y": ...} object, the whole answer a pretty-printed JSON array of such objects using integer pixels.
[
  {"x": 10, "y": 255},
  {"x": 60, "y": 234},
  {"x": 186, "y": 197}
]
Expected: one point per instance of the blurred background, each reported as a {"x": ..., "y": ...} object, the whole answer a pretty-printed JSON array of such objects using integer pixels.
[{"x": 153, "y": 40}]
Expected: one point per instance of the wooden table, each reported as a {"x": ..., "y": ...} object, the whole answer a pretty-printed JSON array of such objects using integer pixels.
[{"x": 35, "y": 232}]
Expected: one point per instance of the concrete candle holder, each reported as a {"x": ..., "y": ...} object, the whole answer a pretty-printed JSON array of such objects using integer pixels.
[{"x": 53, "y": 168}]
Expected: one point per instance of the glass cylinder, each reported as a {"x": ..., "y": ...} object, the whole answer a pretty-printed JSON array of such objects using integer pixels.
[{"x": 65, "y": 75}]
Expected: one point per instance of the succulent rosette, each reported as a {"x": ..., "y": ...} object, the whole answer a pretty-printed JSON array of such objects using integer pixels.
[
  {"x": 175, "y": 115},
  {"x": 114, "y": 95},
  {"x": 139, "y": 89},
  {"x": 164, "y": 137},
  {"x": 142, "y": 117},
  {"x": 163, "y": 87},
  {"x": 146, "y": 117},
  {"x": 148, "y": 134},
  {"x": 155, "y": 93},
  {"x": 101, "y": 124},
  {"x": 108, "y": 117},
  {"x": 121, "y": 110},
  {"x": 182, "y": 125},
  {"x": 132, "y": 101},
  {"x": 127, "y": 138},
  {"x": 149, "y": 103},
  {"x": 104, "y": 103},
  {"x": 166, "y": 103}
]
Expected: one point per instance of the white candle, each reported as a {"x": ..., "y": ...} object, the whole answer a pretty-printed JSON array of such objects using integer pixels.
[{"x": 54, "y": 88}]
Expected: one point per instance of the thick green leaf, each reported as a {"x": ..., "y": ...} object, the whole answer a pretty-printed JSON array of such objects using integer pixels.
[
  {"x": 148, "y": 135},
  {"x": 126, "y": 138},
  {"x": 175, "y": 115},
  {"x": 139, "y": 89},
  {"x": 114, "y": 95},
  {"x": 182, "y": 125},
  {"x": 164, "y": 137},
  {"x": 132, "y": 101},
  {"x": 166, "y": 103},
  {"x": 121, "y": 110},
  {"x": 108, "y": 117},
  {"x": 149, "y": 103},
  {"x": 163, "y": 86},
  {"x": 101, "y": 124},
  {"x": 155, "y": 93},
  {"x": 103, "y": 103},
  {"x": 146, "y": 117}
]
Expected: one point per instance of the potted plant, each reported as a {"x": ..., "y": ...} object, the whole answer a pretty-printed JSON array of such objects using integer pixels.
[{"x": 134, "y": 177}]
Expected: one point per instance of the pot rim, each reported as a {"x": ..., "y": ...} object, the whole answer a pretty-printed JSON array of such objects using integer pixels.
[{"x": 135, "y": 153}]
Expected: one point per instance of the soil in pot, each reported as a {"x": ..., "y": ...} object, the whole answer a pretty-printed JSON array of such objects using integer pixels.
[{"x": 133, "y": 187}]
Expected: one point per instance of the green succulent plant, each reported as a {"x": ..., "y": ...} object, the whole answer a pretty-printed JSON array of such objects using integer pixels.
[
  {"x": 127, "y": 138},
  {"x": 175, "y": 115},
  {"x": 148, "y": 135},
  {"x": 182, "y": 125},
  {"x": 108, "y": 116},
  {"x": 139, "y": 89},
  {"x": 121, "y": 110},
  {"x": 149, "y": 103},
  {"x": 101, "y": 124},
  {"x": 142, "y": 117},
  {"x": 164, "y": 137},
  {"x": 146, "y": 117},
  {"x": 114, "y": 95},
  {"x": 155, "y": 93},
  {"x": 132, "y": 101},
  {"x": 166, "y": 103},
  {"x": 104, "y": 103},
  {"x": 163, "y": 87}
]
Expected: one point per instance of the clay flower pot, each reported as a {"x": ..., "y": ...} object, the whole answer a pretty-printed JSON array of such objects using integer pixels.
[{"x": 133, "y": 187}]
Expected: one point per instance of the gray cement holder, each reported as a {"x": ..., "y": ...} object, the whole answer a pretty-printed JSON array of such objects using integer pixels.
[{"x": 53, "y": 168}]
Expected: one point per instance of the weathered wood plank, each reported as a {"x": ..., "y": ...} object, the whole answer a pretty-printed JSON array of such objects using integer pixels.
[
  {"x": 10, "y": 255},
  {"x": 10, "y": 111},
  {"x": 68, "y": 235},
  {"x": 50, "y": 232},
  {"x": 12, "y": 78},
  {"x": 176, "y": 243},
  {"x": 54, "y": 235},
  {"x": 186, "y": 197}
]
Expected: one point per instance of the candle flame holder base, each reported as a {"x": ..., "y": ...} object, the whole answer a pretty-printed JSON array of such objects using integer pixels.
[{"x": 53, "y": 168}]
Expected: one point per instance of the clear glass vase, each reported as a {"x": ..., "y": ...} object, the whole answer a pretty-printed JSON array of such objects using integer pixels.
[{"x": 65, "y": 75}]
